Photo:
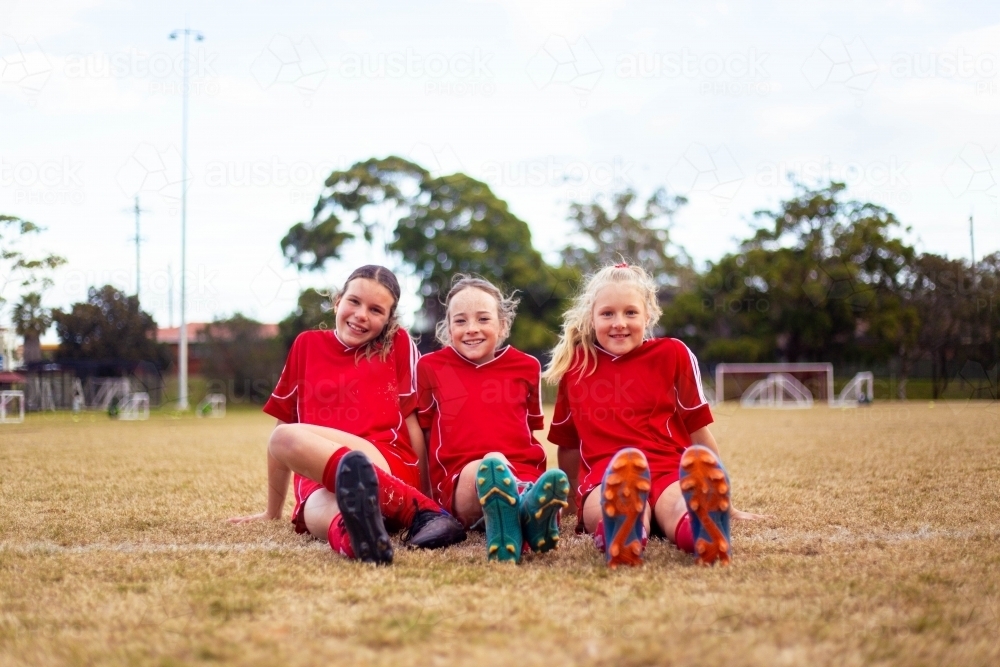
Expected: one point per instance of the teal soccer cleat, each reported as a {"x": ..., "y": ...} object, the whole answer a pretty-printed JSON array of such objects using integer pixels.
[
  {"x": 497, "y": 491},
  {"x": 540, "y": 505}
]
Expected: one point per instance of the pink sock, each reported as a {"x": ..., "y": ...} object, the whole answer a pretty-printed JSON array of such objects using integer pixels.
[
  {"x": 340, "y": 541},
  {"x": 683, "y": 537}
]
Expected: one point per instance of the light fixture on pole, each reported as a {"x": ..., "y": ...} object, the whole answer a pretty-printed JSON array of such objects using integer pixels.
[{"x": 182, "y": 352}]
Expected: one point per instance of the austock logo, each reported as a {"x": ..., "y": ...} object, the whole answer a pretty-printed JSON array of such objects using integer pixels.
[{"x": 558, "y": 62}]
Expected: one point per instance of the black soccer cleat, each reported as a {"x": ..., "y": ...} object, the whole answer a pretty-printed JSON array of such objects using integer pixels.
[
  {"x": 434, "y": 530},
  {"x": 357, "y": 496}
]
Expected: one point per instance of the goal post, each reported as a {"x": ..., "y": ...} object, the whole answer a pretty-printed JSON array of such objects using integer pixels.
[
  {"x": 11, "y": 406},
  {"x": 733, "y": 380}
]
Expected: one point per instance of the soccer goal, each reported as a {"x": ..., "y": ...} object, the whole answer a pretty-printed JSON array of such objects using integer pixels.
[
  {"x": 777, "y": 390},
  {"x": 859, "y": 391},
  {"x": 9, "y": 414},
  {"x": 213, "y": 405},
  {"x": 732, "y": 381},
  {"x": 135, "y": 407}
]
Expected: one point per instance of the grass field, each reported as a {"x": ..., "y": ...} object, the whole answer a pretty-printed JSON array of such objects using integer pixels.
[{"x": 883, "y": 549}]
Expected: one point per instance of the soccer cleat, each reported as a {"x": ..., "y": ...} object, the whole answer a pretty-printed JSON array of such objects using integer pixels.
[
  {"x": 433, "y": 530},
  {"x": 539, "y": 510},
  {"x": 497, "y": 491},
  {"x": 623, "y": 500},
  {"x": 705, "y": 486},
  {"x": 357, "y": 497}
]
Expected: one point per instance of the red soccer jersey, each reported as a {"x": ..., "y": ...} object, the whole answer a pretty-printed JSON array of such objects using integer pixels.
[
  {"x": 474, "y": 410},
  {"x": 650, "y": 398},
  {"x": 326, "y": 383}
]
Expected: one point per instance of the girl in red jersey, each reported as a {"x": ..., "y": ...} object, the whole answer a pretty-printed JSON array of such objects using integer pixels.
[
  {"x": 479, "y": 405},
  {"x": 631, "y": 416},
  {"x": 346, "y": 400}
]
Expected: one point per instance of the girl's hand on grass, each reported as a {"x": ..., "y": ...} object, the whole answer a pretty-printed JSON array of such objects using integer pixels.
[
  {"x": 740, "y": 515},
  {"x": 263, "y": 516}
]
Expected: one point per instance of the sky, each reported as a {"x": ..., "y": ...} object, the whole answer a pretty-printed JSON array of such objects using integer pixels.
[{"x": 548, "y": 102}]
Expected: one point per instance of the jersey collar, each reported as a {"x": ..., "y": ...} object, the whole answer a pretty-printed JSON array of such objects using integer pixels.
[
  {"x": 344, "y": 345},
  {"x": 496, "y": 356},
  {"x": 616, "y": 357}
]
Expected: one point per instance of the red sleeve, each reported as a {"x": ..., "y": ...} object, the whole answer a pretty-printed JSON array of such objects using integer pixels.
[
  {"x": 425, "y": 397},
  {"x": 536, "y": 419},
  {"x": 406, "y": 354},
  {"x": 563, "y": 430},
  {"x": 283, "y": 403},
  {"x": 691, "y": 402}
]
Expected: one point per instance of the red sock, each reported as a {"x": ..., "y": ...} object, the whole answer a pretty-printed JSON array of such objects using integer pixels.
[
  {"x": 340, "y": 541},
  {"x": 330, "y": 471},
  {"x": 397, "y": 500},
  {"x": 683, "y": 537}
]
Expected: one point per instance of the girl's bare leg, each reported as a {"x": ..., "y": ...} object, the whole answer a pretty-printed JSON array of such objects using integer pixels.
[
  {"x": 466, "y": 498},
  {"x": 305, "y": 448}
]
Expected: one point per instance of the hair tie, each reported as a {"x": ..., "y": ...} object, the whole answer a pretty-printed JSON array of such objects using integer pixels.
[{"x": 623, "y": 265}]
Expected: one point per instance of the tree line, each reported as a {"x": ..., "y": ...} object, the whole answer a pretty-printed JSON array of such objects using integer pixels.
[{"x": 821, "y": 277}]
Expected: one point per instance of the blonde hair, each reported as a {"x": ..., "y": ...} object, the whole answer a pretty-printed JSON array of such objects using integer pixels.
[
  {"x": 381, "y": 344},
  {"x": 506, "y": 305},
  {"x": 578, "y": 320}
]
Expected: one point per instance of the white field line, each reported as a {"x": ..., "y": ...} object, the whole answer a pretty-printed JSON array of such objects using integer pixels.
[
  {"x": 153, "y": 548},
  {"x": 769, "y": 536}
]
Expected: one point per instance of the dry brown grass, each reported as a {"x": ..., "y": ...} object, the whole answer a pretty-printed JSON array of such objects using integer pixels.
[{"x": 883, "y": 550}]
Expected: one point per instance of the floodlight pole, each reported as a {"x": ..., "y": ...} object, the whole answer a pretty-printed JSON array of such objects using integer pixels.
[{"x": 182, "y": 352}]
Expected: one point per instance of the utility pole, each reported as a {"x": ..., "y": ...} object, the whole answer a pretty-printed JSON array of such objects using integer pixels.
[
  {"x": 138, "y": 240},
  {"x": 182, "y": 370},
  {"x": 972, "y": 243},
  {"x": 170, "y": 293}
]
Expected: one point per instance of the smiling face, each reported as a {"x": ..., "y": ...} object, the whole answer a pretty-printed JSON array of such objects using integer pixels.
[
  {"x": 474, "y": 325},
  {"x": 362, "y": 311},
  {"x": 619, "y": 318}
]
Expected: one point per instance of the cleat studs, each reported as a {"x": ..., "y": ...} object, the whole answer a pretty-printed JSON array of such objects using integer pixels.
[
  {"x": 499, "y": 467},
  {"x": 638, "y": 506},
  {"x": 547, "y": 487},
  {"x": 626, "y": 491},
  {"x": 538, "y": 515},
  {"x": 480, "y": 480},
  {"x": 510, "y": 548},
  {"x": 506, "y": 481},
  {"x": 716, "y": 474},
  {"x": 614, "y": 550},
  {"x": 724, "y": 505},
  {"x": 614, "y": 479},
  {"x": 610, "y": 510},
  {"x": 540, "y": 543},
  {"x": 483, "y": 468},
  {"x": 541, "y": 499},
  {"x": 609, "y": 494},
  {"x": 493, "y": 549},
  {"x": 724, "y": 547},
  {"x": 643, "y": 485},
  {"x": 482, "y": 501},
  {"x": 723, "y": 488},
  {"x": 694, "y": 504},
  {"x": 636, "y": 548}
]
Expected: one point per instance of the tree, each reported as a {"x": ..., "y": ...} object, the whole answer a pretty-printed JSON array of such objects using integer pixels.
[
  {"x": 31, "y": 321},
  {"x": 314, "y": 311},
  {"x": 438, "y": 226},
  {"x": 108, "y": 326},
  {"x": 820, "y": 279},
  {"x": 20, "y": 270},
  {"x": 240, "y": 358},
  {"x": 614, "y": 233}
]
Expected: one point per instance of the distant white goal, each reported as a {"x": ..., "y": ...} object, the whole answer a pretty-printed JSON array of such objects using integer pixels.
[
  {"x": 733, "y": 381},
  {"x": 859, "y": 391},
  {"x": 11, "y": 406},
  {"x": 135, "y": 407},
  {"x": 213, "y": 405},
  {"x": 777, "y": 390}
]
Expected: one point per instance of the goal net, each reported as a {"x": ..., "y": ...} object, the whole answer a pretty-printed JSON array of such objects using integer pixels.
[
  {"x": 733, "y": 381},
  {"x": 11, "y": 406},
  {"x": 135, "y": 407}
]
